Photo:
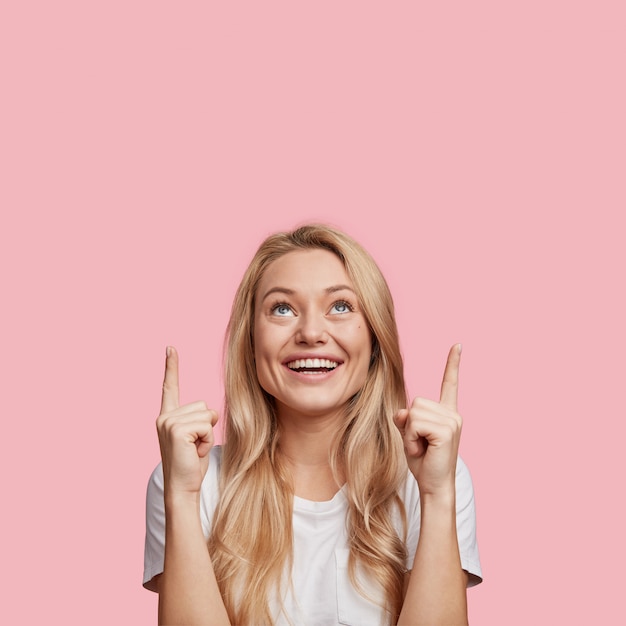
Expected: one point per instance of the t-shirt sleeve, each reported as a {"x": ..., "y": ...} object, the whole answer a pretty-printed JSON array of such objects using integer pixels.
[
  {"x": 154, "y": 549},
  {"x": 465, "y": 522}
]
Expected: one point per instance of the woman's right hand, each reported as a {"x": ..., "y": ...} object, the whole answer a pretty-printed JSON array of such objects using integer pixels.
[{"x": 185, "y": 436}]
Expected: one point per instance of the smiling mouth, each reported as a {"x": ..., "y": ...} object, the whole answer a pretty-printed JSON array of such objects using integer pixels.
[{"x": 312, "y": 366}]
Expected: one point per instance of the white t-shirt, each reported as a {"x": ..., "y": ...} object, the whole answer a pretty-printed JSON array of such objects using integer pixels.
[{"x": 321, "y": 592}]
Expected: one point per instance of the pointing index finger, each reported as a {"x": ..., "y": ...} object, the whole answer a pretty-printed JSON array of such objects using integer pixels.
[
  {"x": 450, "y": 382},
  {"x": 169, "y": 400}
]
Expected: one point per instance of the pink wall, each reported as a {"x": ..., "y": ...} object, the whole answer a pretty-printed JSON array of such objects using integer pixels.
[{"x": 477, "y": 151}]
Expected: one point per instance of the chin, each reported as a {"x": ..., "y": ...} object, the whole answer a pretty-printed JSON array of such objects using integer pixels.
[{"x": 315, "y": 408}]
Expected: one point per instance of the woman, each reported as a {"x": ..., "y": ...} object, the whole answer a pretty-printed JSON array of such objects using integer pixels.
[{"x": 310, "y": 513}]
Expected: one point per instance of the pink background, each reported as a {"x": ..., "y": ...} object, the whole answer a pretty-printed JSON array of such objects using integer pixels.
[{"x": 478, "y": 150}]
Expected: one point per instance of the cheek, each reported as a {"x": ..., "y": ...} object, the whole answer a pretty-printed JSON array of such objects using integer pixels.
[
  {"x": 258, "y": 339},
  {"x": 263, "y": 374},
  {"x": 260, "y": 355},
  {"x": 265, "y": 355},
  {"x": 362, "y": 338}
]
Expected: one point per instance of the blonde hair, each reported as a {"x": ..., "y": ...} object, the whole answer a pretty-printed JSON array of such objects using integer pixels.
[{"x": 251, "y": 538}]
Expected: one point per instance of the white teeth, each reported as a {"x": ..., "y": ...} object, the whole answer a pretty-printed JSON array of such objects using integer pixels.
[{"x": 312, "y": 364}]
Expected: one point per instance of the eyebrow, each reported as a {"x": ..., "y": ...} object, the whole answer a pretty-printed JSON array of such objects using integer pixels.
[{"x": 291, "y": 292}]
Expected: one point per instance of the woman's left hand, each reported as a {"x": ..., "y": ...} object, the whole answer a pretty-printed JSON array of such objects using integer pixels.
[{"x": 431, "y": 432}]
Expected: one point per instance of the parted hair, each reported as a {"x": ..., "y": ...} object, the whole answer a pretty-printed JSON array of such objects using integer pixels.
[{"x": 251, "y": 537}]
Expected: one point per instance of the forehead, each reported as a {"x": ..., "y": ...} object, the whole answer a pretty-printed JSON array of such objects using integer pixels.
[{"x": 304, "y": 269}]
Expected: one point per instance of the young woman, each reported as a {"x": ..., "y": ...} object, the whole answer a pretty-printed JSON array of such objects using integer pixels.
[{"x": 311, "y": 510}]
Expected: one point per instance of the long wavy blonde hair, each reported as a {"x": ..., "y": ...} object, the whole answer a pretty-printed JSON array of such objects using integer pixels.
[{"x": 251, "y": 537}]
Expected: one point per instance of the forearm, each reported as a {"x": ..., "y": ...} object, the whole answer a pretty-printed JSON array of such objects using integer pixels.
[
  {"x": 188, "y": 590},
  {"x": 436, "y": 593}
]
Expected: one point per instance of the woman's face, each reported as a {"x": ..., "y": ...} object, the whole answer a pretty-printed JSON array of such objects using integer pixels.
[{"x": 312, "y": 344}]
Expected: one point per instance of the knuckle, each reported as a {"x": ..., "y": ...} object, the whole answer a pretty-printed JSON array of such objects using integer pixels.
[
  {"x": 419, "y": 402},
  {"x": 177, "y": 429}
]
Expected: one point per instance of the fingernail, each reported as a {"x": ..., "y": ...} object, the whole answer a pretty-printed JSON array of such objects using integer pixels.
[
  {"x": 168, "y": 351},
  {"x": 460, "y": 347}
]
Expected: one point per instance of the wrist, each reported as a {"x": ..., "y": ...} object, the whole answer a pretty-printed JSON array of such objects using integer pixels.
[
  {"x": 181, "y": 500},
  {"x": 442, "y": 501}
]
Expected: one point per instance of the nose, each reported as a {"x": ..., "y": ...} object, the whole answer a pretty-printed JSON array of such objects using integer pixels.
[{"x": 311, "y": 330}]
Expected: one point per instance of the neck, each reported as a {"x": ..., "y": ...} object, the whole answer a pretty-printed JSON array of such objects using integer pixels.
[{"x": 305, "y": 444}]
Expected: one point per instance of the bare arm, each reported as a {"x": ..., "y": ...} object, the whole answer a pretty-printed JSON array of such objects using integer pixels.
[
  {"x": 188, "y": 590},
  {"x": 436, "y": 587}
]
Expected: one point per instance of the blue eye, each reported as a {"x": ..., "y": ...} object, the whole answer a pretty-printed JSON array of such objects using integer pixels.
[
  {"x": 282, "y": 310},
  {"x": 340, "y": 307}
]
